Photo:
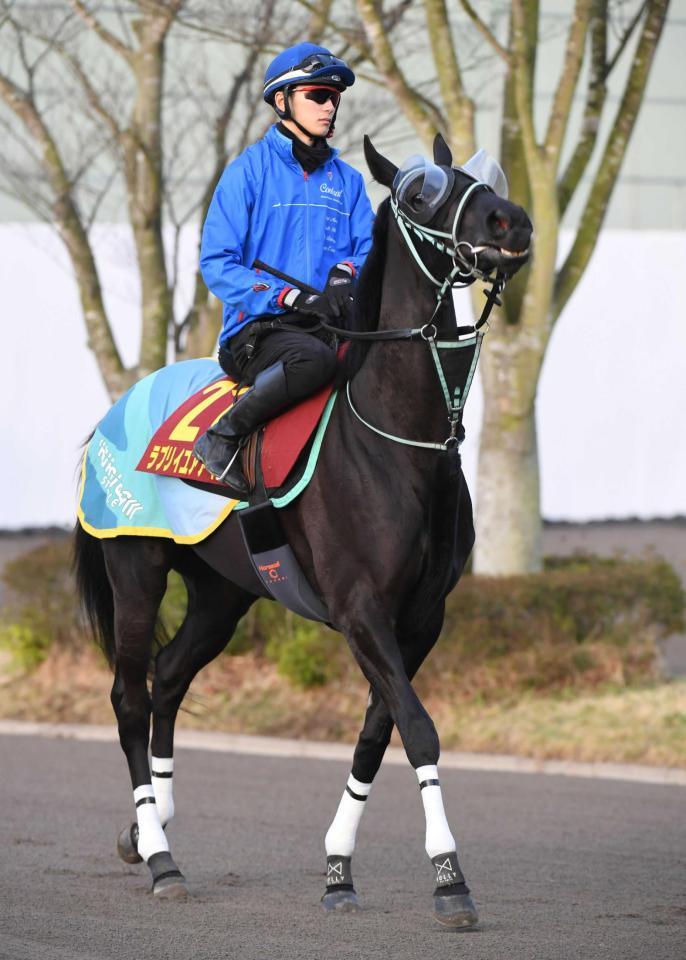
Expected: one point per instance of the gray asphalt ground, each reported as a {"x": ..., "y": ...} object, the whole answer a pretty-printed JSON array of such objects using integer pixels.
[{"x": 560, "y": 867}]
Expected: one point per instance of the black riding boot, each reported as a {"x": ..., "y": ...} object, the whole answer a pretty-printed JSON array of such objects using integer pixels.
[{"x": 218, "y": 449}]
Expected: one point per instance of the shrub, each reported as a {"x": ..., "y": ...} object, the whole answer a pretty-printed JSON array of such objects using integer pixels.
[
  {"x": 42, "y": 611},
  {"x": 26, "y": 646},
  {"x": 304, "y": 652},
  {"x": 583, "y": 622}
]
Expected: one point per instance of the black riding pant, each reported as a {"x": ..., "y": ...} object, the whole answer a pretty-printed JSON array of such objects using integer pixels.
[{"x": 309, "y": 361}]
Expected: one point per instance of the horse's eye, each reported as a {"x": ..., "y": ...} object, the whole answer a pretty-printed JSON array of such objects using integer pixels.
[{"x": 417, "y": 202}]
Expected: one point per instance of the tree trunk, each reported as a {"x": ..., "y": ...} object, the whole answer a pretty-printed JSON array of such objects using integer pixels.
[
  {"x": 508, "y": 511},
  {"x": 204, "y": 326},
  {"x": 143, "y": 172},
  {"x": 508, "y": 527}
]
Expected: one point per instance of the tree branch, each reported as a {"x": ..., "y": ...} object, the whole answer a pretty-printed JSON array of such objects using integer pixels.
[
  {"x": 109, "y": 38},
  {"x": 424, "y": 120},
  {"x": 595, "y": 101},
  {"x": 458, "y": 106},
  {"x": 562, "y": 101},
  {"x": 92, "y": 96},
  {"x": 522, "y": 81},
  {"x": 319, "y": 18},
  {"x": 628, "y": 33},
  {"x": 351, "y": 36},
  {"x": 485, "y": 32},
  {"x": 66, "y": 216},
  {"x": 587, "y": 234}
]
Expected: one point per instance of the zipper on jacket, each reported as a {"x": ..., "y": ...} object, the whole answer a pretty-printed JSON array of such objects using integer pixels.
[{"x": 308, "y": 271}]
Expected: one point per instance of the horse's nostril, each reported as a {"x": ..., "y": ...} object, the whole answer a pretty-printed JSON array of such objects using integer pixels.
[{"x": 499, "y": 222}]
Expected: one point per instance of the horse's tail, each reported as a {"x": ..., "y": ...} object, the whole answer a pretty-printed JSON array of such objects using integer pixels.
[{"x": 94, "y": 589}]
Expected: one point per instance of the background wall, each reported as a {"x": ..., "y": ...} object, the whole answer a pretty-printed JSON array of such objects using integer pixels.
[
  {"x": 612, "y": 393},
  {"x": 610, "y": 409}
]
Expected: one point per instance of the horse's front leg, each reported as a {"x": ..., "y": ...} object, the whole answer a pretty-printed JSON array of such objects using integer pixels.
[
  {"x": 393, "y": 700},
  {"x": 371, "y": 745}
]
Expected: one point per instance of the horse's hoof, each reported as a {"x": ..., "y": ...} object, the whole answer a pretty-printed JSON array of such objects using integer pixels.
[
  {"x": 340, "y": 901},
  {"x": 171, "y": 888},
  {"x": 127, "y": 844},
  {"x": 167, "y": 880},
  {"x": 456, "y": 911}
]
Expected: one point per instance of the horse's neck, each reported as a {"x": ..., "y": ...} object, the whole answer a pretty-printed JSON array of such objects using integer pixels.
[{"x": 397, "y": 388}]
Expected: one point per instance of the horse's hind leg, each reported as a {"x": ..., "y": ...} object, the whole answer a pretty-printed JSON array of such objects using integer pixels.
[
  {"x": 214, "y": 608},
  {"x": 371, "y": 745},
  {"x": 137, "y": 570}
]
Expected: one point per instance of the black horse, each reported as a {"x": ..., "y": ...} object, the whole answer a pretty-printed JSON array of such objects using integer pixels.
[{"x": 382, "y": 532}]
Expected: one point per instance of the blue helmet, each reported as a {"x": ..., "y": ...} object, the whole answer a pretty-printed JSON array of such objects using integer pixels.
[{"x": 303, "y": 63}]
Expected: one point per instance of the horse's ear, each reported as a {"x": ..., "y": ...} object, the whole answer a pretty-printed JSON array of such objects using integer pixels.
[
  {"x": 380, "y": 168},
  {"x": 442, "y": 153}
]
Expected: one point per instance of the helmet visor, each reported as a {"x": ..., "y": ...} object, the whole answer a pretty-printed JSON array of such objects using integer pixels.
[{"x": 318, "y": 60}]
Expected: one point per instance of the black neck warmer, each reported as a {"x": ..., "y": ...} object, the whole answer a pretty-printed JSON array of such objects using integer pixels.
[{"x": 309, "y": 157}]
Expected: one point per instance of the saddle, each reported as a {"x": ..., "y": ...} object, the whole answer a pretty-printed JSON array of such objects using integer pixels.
[{"x": 269, "y": 457}]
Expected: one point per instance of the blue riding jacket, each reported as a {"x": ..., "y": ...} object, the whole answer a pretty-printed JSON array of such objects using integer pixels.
[{"x": 267, "y": 207}]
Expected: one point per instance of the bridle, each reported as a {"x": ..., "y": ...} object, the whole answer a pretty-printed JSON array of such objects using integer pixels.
[
  {"x": 464, "y": 271},
  {"x": 468, "y": 338}
]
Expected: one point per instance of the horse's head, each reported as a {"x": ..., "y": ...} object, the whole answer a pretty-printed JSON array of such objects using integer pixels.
[{"x": 462, "y": 212}]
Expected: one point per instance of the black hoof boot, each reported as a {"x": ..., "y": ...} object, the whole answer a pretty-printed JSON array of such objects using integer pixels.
[
  {"x": 455, "y": 911},
  {"x": 167, "y": 880},
  {"x": 340, "y": 896},
  {"x": 453, "y": 907},
  {"x": 127, "y": 844}
]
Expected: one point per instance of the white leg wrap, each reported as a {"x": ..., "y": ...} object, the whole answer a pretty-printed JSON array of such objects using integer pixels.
[
  {"x": 162, "y": 770},
  {"x": 340, "y": 838},
  {"x": 151, "y": 838},
  {"x": 439, "y": 839}
]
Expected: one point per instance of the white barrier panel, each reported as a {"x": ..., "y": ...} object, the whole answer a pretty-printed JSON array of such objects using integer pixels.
[{"x": 611, "y": 399}]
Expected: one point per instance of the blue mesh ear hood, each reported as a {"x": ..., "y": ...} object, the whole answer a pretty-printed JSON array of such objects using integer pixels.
[{"x": 304, "y": 63}]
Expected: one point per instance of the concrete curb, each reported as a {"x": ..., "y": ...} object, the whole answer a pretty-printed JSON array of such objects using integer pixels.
[{"x": 309, "y": 749}]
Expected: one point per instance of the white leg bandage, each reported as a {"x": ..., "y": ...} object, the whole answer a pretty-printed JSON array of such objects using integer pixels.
[
  {"x": 340, "y": 838},
  {"x": 151, "y": 838},
  {"x": 439, "y": 839},
  {"x": 162, "y": 771}
]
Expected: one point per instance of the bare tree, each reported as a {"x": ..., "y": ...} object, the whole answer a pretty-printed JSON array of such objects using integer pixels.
[
  {"x": 509, "y": 521},
  {"x": 138, "y": 106}
]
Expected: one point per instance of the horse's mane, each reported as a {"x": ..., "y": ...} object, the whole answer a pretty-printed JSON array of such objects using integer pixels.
[{"x": 367, "y": 296}]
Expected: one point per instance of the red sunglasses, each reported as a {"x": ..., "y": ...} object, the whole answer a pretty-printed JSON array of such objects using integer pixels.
[{"x": 320, "y": 95}]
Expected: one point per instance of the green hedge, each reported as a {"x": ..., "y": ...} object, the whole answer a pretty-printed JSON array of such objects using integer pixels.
[
  {"x": 42, "y": 609},
  {"x": 583, "y": 622}
]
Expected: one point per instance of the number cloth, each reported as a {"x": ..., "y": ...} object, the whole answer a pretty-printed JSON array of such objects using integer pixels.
[{"x": 141, "y": 451}]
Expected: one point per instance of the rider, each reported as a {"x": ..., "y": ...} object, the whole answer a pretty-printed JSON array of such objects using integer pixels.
[{"x": 289, "y": 201}]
